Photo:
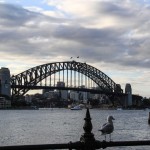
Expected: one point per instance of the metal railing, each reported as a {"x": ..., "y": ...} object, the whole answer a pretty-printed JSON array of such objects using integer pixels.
[{"x": 87, "y": 141}]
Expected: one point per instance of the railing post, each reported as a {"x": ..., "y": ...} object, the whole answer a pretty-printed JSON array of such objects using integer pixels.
[
  {"x": 87, "y": 138},
  {"x": 149, "y": 119}
]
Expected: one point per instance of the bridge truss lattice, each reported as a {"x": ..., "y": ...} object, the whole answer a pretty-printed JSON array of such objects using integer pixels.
[{"x": 23, "y": 82}]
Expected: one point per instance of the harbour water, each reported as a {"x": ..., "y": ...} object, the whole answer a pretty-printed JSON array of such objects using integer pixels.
[{"x": 24, "y": 127}]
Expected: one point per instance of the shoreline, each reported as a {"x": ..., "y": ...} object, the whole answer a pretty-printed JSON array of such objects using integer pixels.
[{"x": 98, "y": 108}]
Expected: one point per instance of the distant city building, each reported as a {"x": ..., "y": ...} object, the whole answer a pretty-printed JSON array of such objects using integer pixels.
[
  {"x": 60, "y": 84},
  {"x": 5, "y": 81},
  {"x": 51, "y": 94},
  {"x": 28, "y": 98},
  {"x": 46, "y": 90},
  {"x": 63, "y": 93},
  {"x": 4, "y": 103},
  {"x": 74, "y": 95},
  {"x": 128, "y": 91},
  {"x": 79, "y": 96},
  {"x": 83, "y": 96}
]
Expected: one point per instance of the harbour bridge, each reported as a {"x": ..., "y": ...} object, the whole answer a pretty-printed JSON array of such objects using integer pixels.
[{"x": 68, "y": 75}]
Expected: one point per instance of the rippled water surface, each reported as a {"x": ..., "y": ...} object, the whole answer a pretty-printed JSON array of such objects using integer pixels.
[{"x": 19, "y": 127}]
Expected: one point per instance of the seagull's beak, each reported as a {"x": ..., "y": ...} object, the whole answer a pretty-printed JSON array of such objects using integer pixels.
[{"x": 113, "y": 118}]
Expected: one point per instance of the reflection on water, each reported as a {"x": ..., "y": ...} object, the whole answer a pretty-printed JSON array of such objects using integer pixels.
[{"x": 63, "y": 125}]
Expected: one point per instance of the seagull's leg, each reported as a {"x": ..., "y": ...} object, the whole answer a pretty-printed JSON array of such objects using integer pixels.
[
  {"x": 105, "y": 137},
  {"x": 110, "y": 137}
]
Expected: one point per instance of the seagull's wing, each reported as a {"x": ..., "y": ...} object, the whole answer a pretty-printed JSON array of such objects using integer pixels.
[
  {"x": 102, "y": 126},
  {"x": 107, "y": 128}
]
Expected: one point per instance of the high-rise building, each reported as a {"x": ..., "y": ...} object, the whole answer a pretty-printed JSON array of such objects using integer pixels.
[
  {"x": 5, "y": 81},
  {"x": 63, "y": 93},
  {"x": 83, "y": 96},
  {"x": 128, "y": 91}
]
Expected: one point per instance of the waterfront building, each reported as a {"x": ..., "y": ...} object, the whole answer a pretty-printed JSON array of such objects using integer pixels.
[
  {"x": 63, "y": 93},
  {"x": 5, "y": 88},
  {"x": 4, "y": 103},
  {"x": 46, "y": 90},
  {"x": 136, "y": 100},
  {"x": 128, "y": 91},
  {"x": 28, "y": 98},
  {"x": 51, "y": 94},
  {"x": 79, "y": 96},
  {"x": 83, "y": 96},
  {"x": 74, "y": 95}
]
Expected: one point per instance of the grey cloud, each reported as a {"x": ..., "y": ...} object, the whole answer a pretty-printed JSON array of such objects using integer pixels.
[
  {"x": 89, "y": 36},
  {"x": 117, "y": 9},
  {"x": 107, "y": 45},
  {"x": 14, "y": 15}
]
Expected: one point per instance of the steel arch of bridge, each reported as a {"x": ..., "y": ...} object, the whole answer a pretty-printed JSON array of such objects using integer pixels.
[{"x": 33, "y": 76}]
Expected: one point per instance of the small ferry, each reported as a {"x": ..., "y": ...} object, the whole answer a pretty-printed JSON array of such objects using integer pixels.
[{"x": 76, "y": 108}]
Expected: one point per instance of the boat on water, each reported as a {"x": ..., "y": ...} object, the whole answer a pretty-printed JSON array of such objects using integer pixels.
[
  {"x": 45, "y": 108},
  {"x": 76, "y": 108},
  {"x": 119, "y": 108}
]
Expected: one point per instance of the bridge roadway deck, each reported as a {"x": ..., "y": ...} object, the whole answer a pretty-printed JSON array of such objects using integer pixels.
[{"x": 93, "y": 91}]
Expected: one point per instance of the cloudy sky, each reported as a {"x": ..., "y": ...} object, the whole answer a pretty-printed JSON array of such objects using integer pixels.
[{"x": 111, "y": 35}]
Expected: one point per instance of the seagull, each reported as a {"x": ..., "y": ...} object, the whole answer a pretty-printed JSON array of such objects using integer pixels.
[{"x": 108, "y": 127}]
